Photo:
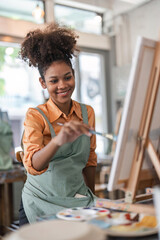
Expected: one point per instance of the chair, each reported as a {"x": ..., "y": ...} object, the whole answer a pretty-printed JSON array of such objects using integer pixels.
[{"x": 19, "y": 156}]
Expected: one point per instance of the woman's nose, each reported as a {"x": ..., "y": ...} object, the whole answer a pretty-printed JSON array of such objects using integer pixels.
[{"x": 61, "y": 84}]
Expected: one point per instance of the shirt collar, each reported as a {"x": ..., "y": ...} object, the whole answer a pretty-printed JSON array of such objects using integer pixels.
[
  {"x": 77, "y": 109},
  {"x": 55, "y": 112}
]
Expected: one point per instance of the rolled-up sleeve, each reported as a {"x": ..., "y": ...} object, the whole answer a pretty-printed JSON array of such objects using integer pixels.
[
  {"x": 32, "y": 139},
  {"x": 92, "y": 161}
]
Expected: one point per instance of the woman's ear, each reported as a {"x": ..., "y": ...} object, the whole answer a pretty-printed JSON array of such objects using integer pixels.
[{"x": 42, "y": 82}]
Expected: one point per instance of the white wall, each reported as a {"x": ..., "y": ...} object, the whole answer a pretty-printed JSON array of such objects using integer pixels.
[{"x": 143, "y": 21}]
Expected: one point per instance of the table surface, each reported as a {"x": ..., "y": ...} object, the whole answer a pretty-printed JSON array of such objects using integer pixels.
[{"x": 12, "y": 175}]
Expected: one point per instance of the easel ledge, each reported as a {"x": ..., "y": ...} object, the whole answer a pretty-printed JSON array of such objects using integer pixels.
[{"x": 128, "y": 207}]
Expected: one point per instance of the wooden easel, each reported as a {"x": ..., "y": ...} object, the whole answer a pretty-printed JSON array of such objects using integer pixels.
[
  {"x": 139, "y": 177},
  {"x": 143, "y": 141}
]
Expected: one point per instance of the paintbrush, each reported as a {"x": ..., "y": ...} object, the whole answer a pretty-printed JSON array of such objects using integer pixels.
[{"x": 106, "y": 135}]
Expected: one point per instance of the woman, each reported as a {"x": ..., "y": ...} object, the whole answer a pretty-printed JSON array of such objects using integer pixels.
[{"x": 59, "y": 150}]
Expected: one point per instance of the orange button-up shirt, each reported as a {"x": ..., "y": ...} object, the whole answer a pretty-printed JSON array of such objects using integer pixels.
[{"x": 37, "y": 132}]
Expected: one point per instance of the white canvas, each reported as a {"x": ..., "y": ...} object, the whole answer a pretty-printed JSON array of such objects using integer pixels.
[{"x": 132, "y": 114}]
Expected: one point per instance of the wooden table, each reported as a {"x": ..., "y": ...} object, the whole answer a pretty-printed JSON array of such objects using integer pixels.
[{"x": 7, "y": 178}]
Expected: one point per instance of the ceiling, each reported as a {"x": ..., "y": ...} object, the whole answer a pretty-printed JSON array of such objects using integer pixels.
[{"x": 115, "y": 6}]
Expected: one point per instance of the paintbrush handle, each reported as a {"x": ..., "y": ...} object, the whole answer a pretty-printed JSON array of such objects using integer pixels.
[
  {"x": 60, "y": 124},
  {"x": 106, "y": 135},
  {"x": 94, "y": 132}
]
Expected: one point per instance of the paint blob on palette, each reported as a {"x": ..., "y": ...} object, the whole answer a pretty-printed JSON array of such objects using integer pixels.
[
  {"x": 145, "y": 226},
  {"x": 124, "y": 224},
  {"x": 82, "y": 213}
]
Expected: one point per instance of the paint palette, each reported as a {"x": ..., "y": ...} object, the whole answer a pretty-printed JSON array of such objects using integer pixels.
[
  {"x": 137, "y": 229},
  {"x": 82, "y": 213},
  {"x": 127, "y": 224}
]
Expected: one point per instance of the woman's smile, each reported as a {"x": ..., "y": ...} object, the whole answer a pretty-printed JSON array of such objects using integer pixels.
[{"x": 64, "y": 93}]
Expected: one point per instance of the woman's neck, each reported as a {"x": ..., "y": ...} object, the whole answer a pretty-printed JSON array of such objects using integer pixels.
[{"x": 65, "y": 108}]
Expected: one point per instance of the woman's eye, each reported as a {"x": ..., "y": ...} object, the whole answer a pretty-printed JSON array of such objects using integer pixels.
[
  {"x": 68, "y": 78},
  {"x": 54, "y": 81}
]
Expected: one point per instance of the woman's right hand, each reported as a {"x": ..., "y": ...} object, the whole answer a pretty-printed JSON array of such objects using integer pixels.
[{"x": 70, "y": 131}]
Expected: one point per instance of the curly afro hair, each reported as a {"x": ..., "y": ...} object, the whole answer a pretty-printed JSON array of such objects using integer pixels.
[{"x": 41, "y": 48}]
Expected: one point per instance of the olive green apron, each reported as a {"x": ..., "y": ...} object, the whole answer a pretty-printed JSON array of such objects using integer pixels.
[{"x": 56, "y": 188}]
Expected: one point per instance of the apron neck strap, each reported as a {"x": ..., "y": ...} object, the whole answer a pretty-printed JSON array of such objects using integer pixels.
[
  {"x": 84, "y": 113},
  {"x": 50, "y": 125}
]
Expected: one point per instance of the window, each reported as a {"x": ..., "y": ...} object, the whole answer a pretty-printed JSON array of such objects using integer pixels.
[
  {"x": 91, "y": 89},
  {"x": 19, "y": 85},
  {"x": 19, "y": 88},
  {"x": 81, "y": 20},
  {"x": 20, "y": 9}
]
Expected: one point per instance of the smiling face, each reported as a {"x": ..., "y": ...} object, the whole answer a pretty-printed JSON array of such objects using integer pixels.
[{"x": 60, "y": 83}]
